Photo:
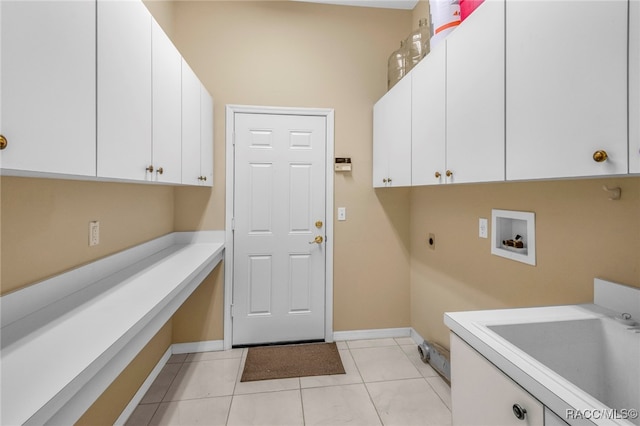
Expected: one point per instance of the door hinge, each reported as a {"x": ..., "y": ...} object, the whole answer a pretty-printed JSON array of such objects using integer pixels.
[
  {"x": 231, "y": 309},
  {"x": 233, "y": 138},
  {"x": 233, "y": 224}
]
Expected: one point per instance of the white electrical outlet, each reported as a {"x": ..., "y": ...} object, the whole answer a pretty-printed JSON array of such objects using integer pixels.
[
  {"x": 94, "y": 233},
  {"x": 342, "y": 213},
  {"x": 483, "y": 227}
]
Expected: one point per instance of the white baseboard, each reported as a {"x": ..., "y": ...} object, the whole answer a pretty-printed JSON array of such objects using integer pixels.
[
  {"x": 126, "y": 413},
  {"x": 193, "y": 347},
  {"x": 417, "y": 338},
  {"x": 381, "y": 333}
]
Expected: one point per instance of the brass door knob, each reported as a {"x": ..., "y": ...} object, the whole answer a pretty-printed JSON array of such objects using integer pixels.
[
  {"x": 437, "y": 175},
  {"x": 449, "y": 173},
  {"x": 3, "y": 142},
  {"x": 319, "y": 224},
  {"x": 160, "y": 170},
  {"x": 149, "y": 169},
  {"x": 600, "y": 156},
  {"x": 317, "y": 240}
]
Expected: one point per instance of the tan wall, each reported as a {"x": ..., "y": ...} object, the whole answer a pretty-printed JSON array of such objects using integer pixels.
[
  {"x": 580, "y": 234},
  {"x": 420, "y": 11},
  {"x": 295, "y": 54},
  {"x": 45, "y": 223},
  {"x": 200, "y": 318},
  {"x": 109, "y": 406}
]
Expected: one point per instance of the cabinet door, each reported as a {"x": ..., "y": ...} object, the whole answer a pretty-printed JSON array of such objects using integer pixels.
[
  {"x": 482, "y": 395},
  {"x": 206, "y": 136},
  {"x": 124, "y": 90},
  {"x": 190, "y": 126},
  {"x": 48, "y": 97},
  {"x": 634, "y": 86},
  {"x": 392, "y": 136},
  {"x": 167, "y": 110},
  {"x": 428, "y": 119},
  {"x": 566, "y": 88},
  {"x": 475, "y": 96}
]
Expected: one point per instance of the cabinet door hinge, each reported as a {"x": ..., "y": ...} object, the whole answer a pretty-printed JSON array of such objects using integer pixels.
[
  {"x": 231, "y": 309},
  {"x": 233, "y": 224}
]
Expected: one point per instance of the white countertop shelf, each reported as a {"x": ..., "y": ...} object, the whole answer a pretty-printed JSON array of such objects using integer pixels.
[{"x": 62, "y": 349}]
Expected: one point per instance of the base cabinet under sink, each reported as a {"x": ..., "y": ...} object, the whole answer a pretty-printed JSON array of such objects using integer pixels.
[{"x": 481, "y": 394}]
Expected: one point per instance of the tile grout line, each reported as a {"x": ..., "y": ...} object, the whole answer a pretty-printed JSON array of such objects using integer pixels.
[
  {"x": 165, "y": 392},
  {"x": 235, "y": 383}
]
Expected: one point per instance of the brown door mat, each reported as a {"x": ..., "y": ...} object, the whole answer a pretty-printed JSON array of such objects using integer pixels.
[{"x": 281, "y": 362}]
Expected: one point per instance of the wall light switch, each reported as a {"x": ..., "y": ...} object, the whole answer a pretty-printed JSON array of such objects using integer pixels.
[
  {"x": 483, "y": 228},
  {"x": 342, "y": 213}
]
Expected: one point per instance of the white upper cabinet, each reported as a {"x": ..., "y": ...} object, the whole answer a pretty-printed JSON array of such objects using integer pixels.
[
  {"x": 167, "y": 108},
  {"x": 47, "y": 96},
  {"x": 475, "y": 97},
  {"x": 392, "y": 137},
  {"x": 428, "y": 126},
  {"x": 634, "y": 86},
  {"x": 190, "y": 126},
  {"x": 124, "y": 90},
  {"x": 197, "y": 130},
  {"x": 566, "y": 88},
  {"x": 206, "y": 137}
]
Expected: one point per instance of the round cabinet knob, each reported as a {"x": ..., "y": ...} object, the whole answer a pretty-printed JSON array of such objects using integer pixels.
[
  {"x": 600, "y": 156},
  {"x": 149, "y": 169},
  {"x": 3, "y": 142},
  {"x": 389, "y": 180},
  {"x": 384, "y": 180},
  {"x": 449, "y": 173},
  {"x": 519, "y": 412},
  {"x": 437, "y": 175},
  {"x": 160, "y": 170}
]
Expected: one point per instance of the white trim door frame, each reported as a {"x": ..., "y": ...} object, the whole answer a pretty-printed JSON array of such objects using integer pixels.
[{"x": 231, "y": 110}]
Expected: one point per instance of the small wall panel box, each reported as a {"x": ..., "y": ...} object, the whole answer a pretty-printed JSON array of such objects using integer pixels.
[
  {"x": 343, "y": 165},
  {"x": 513, "y": 235}
]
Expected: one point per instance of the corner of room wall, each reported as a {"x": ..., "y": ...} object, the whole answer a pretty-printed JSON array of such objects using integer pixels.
[{"x": 419, "y": 12}]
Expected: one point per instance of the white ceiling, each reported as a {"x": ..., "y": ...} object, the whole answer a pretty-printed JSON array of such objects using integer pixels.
[{"x": 386, "y": 4}]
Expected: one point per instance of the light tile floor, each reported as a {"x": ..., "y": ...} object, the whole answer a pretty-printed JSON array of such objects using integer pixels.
[{"x": 385, "y": 383}]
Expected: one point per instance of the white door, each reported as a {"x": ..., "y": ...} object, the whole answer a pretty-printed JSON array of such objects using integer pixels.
[{"x": 279, "y": 237}]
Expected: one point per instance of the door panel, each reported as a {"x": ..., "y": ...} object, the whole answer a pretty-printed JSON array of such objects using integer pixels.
[{"x": 279, "y": 193}]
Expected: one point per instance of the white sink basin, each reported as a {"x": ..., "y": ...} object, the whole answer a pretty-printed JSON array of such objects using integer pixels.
[{"x": 600, "y": 356}]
